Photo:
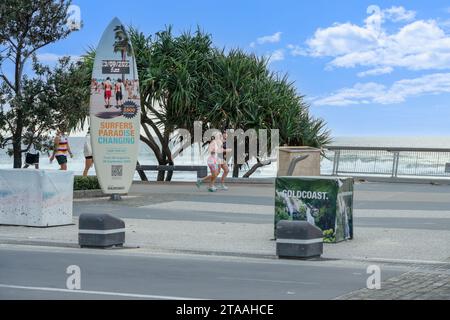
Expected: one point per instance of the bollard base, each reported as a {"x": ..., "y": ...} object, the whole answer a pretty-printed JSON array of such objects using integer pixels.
[{"x": 115, "y": 197}]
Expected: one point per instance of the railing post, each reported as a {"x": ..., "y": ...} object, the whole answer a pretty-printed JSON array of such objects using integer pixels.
[
  {"x": 395, "y": 164},
  {"x": 337, "y": 156}
]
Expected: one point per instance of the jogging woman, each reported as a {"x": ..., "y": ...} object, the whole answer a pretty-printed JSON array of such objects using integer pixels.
[
  {"x": 61, "y": 149},
  {"x": 213, "y": 165}
]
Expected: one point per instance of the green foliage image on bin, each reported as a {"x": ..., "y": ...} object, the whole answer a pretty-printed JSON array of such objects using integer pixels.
[{"x": 326, "y": 202}]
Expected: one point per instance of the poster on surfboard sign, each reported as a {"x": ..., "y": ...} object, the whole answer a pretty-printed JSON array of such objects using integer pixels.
[{"x": 115, "y": 110}]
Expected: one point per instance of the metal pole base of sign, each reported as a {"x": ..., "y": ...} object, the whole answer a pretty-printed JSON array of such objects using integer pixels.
[{"x": 115, "y": 197}]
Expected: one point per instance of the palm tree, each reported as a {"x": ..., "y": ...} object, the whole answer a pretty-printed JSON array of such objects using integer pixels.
[{"x": 122, "y": 44}]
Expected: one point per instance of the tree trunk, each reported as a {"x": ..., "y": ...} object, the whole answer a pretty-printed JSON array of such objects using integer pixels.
[
  {"x": 235, "y": 169},
  {"x": 17, "y": 135},
  {"x": 169, "y": 173},
  {"x": 17, "y": 153},
  {"x": 255, "y": 167},
  {"x": 161, "y": 175},
  {"x": 235, "y": 160},
  {"x": 17, "y": 142},
  {"x": 141, "y": 173}
]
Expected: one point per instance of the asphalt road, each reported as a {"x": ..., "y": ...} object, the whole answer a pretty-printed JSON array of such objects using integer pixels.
[
  {"x": 40, "y": 273},
  {"x": 368, "y": 196}
]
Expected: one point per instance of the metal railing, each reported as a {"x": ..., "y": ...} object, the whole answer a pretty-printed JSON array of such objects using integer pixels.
[{"x": 392, "y": 162}]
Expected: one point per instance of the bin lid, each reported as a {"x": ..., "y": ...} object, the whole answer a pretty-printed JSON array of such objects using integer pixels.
[{"x": 298, "y": 149}]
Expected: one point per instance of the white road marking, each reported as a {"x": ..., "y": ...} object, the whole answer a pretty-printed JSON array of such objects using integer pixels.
[
  {"x": 213, "y": 207},
  {"x": 425, "y": 214},
  {"x": 102, "y": 293},
  {"x": 266, "y": 280},
  {"x": 391, "y": 260}
]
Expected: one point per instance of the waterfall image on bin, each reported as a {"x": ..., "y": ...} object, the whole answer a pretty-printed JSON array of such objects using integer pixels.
[{"x": 323, "y": 202}]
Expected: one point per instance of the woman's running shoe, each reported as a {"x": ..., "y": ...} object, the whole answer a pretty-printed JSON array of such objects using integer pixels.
[{"x": 212, "y": 189}]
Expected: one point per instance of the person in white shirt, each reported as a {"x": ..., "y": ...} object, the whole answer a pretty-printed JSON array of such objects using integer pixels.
[
  {"x": 87, "y": 150},
  {"x": 32, "y": 157}
]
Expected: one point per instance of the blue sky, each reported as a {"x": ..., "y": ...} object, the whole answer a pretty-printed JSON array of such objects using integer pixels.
[{"x": 368, "y": 68}]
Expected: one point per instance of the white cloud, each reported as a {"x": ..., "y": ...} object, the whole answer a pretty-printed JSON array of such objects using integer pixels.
[
  {"x": 277, "y": 55},
  {"x": 398, "y": 14},
  {"x": 297, "y": 50},
  {"x": 54, "y": 58},
  {"x": 400, "y": 91},
  {"x": 274, "y": 38},
  {"x": 375, "y": 72},
  {"x": 417, "y": 45}
]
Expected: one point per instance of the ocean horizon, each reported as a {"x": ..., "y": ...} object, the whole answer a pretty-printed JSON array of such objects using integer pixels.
[{"x": 193, "y": 157}]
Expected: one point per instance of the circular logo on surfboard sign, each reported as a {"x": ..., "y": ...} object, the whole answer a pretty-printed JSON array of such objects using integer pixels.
[{"x": 129, "y": 109}]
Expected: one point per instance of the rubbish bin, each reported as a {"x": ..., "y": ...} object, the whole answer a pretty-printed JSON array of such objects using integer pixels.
[
  {"x": 307, "y": 167},
  {"x": 326, "y": 202}
]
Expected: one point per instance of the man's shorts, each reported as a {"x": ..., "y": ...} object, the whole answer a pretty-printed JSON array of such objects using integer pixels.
[
  {"x": 32, "y": 159},
  {"x": 119, "y": 96},
  {"x": 213, "y": 164},
  {"x": 61, "y": 159},
  {"x": 107, "y": 94}
]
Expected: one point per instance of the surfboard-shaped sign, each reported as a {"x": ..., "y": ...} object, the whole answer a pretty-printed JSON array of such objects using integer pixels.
[{"x": 115, "y": 110}]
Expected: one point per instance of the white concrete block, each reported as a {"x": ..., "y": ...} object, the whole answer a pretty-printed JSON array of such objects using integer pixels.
[{"x": 36, "y": 198}]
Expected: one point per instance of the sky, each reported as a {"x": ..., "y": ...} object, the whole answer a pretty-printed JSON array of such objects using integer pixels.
[{"x": 368, "y": 68}]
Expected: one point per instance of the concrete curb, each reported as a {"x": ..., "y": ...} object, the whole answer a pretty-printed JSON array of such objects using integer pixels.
[
  {"x": 79, "y": 194},
  {"x": 263, "y": 181}
]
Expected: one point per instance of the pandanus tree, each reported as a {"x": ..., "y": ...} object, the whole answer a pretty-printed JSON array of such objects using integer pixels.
[
  {"x": 186, "y": 79},
  {"x": 236, "y": 92},
  {"x": 245, "y": 95},
  {"x": 173, "y": 73}
]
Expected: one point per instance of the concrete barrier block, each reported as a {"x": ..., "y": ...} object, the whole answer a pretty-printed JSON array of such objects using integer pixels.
[
  {"x": 298, "y": 239},
  {"x": 100, "y": 231},
  {"x": 36, "y": 198}
]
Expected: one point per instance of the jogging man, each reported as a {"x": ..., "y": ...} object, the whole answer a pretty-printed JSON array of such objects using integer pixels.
[{"x": 119, "y": 94}]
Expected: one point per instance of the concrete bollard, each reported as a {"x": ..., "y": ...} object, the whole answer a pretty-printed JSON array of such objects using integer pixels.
[
  {"x": 298, "y": 239},
  {"x": 100, "y": 231}
]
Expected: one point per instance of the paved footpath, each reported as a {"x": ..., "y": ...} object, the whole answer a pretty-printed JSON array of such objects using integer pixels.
[{"x": 403, "y": 225}]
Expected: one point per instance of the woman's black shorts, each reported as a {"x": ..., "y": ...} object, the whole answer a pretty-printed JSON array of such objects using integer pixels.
[
  {"x": 61, "y": 159},
  {"x": 32, "y": 159}
]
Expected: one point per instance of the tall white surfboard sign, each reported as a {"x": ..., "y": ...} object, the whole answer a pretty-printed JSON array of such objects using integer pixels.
[{"x": 115, "y": 110}]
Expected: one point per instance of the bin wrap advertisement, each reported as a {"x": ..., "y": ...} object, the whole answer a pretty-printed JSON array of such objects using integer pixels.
[{"x": 326, "y": 202}]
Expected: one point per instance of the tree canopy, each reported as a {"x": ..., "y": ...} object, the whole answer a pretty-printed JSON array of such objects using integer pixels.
[
  {"x": 26, "y": 27},
  {"x": 186, "y": 78}
]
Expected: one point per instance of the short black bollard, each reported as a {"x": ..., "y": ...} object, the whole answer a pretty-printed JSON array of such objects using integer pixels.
[
  {"x": 100, "y": 231},
  {"x": 298, "y": 239}
]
